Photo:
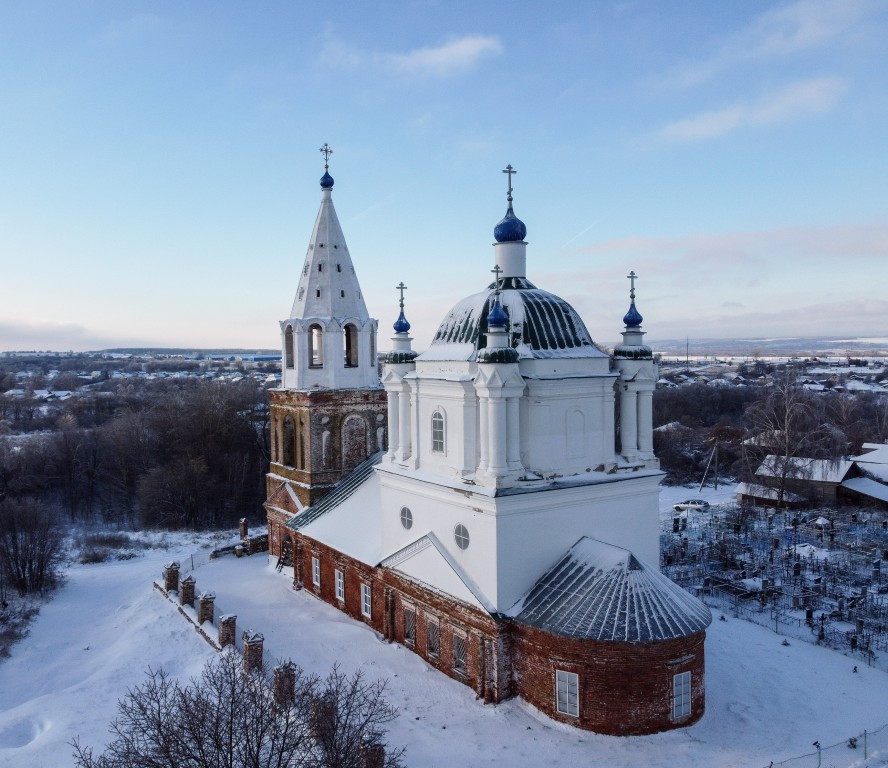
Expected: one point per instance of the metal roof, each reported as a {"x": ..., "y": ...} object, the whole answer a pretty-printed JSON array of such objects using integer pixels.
[{"x": 602, "y": 592}]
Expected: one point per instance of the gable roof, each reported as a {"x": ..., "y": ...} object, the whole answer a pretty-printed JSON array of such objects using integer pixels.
[
  {"x": 816, "y": 470},
  {"x": 601, "y": 592},
  {"x": 428, "y": 562}
]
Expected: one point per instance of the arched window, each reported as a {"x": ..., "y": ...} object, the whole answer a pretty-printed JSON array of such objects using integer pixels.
[
  {"x": 289, "y": 457},
  {"x": 461, "y": 536},
  {"x": 438, "y": 432},
  {"x": 350, "y": 345},
  {"x": 315, "y": 346},
  {"x": 288, "y": 346}
]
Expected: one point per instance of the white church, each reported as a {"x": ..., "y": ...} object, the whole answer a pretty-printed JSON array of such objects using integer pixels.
[{"x": 474, "y": 504}]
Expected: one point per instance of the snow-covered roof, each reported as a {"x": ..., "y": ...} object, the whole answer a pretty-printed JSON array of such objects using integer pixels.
[
  {"x": 867, "y": 487},
  {"x": 428, "y": 562},
  {"x": 817, "y": 470},
  {"x": 340, "y": 518},
  {"x": 602, "y": 592},
  {"x": 876, "y": 453},
  {"x": 541, "y": 325},
  {"x": 764, "y": 492}
]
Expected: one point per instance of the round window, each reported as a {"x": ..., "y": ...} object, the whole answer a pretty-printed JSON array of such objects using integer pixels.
[
  {"x": 406, "y": 518},
  {"x": 461, "y": 536}
]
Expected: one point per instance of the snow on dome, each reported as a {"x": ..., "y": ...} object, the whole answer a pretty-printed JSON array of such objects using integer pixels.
[
  {"x": 510, "y": 229},
  {"x": 541, "y": 325},
  {"x": 602, "y": 592}
]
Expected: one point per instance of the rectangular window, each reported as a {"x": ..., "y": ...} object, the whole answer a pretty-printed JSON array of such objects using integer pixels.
[
  {"x": 366, "y": 597},
  {"x": 681, "y": 695},
  {"x": 433, "y": 642},
  {"x": 340, "y": 585},
  {"x": 409, "y": 626},
  {"x": 316, "y": 571},
  {"x": 567, "y": 689},
  {"x": 459, "y": 654}
]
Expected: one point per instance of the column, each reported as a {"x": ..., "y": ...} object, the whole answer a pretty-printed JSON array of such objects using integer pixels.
[
  {"x": 394, "y": 434},
  {"x": 628, "y": 420},
  {"x": 645, "y": 422},
  {"x": 496, "y": 428},
  {"x": 513, "y": 442}
]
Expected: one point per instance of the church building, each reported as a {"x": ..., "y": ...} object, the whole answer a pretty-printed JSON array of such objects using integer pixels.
[{"x": 492, "y": 502}]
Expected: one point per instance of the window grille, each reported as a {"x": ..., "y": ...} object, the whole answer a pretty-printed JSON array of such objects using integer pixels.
[
  {"x": 459, "y": 654},
  {"x": 433, "y": 642},
  {"x": 461, "y": 536},
  {"x": 406, "y": 518},
  {"x": 316, "y": 571},
  {"x": 409, "y": 626}
]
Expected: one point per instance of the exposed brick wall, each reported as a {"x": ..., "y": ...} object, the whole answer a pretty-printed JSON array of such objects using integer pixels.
[
  {"x": 320, "y": 463},
  {"x": 624, "y": 688}
]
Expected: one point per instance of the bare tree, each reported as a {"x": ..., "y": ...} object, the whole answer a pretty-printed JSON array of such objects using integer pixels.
[
  {"x": 31, "y": 546},
  {"x": 789, "y": 425},
  {"x": 232, "y": 718}
]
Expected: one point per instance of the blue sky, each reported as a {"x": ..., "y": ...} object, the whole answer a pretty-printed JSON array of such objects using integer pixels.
[{"x": 160, "y": 164}]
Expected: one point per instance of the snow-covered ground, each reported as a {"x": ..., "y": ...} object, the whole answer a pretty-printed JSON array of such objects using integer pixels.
[{"x": 765, "y": 701}]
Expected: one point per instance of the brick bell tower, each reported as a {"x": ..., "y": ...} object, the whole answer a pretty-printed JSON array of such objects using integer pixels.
[{"x": 329, "y": 413}]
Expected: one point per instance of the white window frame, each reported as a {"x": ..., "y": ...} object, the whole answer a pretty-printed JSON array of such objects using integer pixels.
[
  {"x": 316, "y": 571},
  {"x": 366, "y": 601},
  {"x": 439, "y": 431},
  {"x": 340, "y": 585},
  {"x": 681, "y": 696},
  {"x": 567, "y": 693}
]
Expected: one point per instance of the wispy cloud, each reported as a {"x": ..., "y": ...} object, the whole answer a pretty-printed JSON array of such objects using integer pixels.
[
  {"x": 780, "y": 32},
  {"x": 454, "y": 56},
  {"x": 796, "y": 101}
]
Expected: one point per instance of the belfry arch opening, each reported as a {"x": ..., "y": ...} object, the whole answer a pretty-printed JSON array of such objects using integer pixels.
[
  {"x": 315, "y": 346},
  {"x": 350, "y": 345}
]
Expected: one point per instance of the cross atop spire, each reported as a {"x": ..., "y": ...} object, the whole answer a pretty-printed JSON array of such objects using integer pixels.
[
  {"x": 632, "y": 278},
  {"x": 326, "y": 152},
  {"x": 496, "y": 271},
  {"x": 401, "y": 287},
  {"x": 509, "y": 170}
]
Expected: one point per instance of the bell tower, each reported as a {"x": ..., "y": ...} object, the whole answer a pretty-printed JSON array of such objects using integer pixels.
[{"x": 329, "y": 413}]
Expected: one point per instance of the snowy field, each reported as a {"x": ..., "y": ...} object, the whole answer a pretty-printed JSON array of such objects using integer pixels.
[{"x": 765, "y": 701}]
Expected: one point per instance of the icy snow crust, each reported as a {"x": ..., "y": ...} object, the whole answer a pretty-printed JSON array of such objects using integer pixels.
[{"x": 602, "y": 592}]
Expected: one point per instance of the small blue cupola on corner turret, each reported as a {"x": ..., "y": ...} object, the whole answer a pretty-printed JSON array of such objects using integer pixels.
[
  {"x": 401, "y": 325},
  {"x": 401, "y": 350},
  {"x": 633, "y": 317}
]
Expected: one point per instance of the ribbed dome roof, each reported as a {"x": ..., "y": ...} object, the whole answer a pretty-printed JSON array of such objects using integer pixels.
[
  {"x": 541, "y": 325},
  {"x": 602, "y": 592}
]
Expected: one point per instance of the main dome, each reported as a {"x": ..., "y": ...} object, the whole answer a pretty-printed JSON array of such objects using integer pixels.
[{"x": 541, "y": 325}]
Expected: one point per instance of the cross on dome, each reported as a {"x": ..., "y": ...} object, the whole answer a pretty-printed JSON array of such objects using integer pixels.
[
  {"x": 509, "y": 170},
  {"x": 632, "y": 318},
  {"x": 496, "y": 271},
  {"x": 326, "y": 152},
  {"x": 632, "y": 278}
]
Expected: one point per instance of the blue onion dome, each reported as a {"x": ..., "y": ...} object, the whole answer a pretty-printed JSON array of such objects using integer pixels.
[
  {"x": 510, "y": 229},
  {"x": 633, "y": 317},
  {"x": 326, "y": 181},
  {"x": 497, "y": 315},
  {"x": 401, "y": 325}
]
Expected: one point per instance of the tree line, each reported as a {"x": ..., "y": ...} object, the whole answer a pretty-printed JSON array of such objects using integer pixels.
[{"x": 183, "y": 454}]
